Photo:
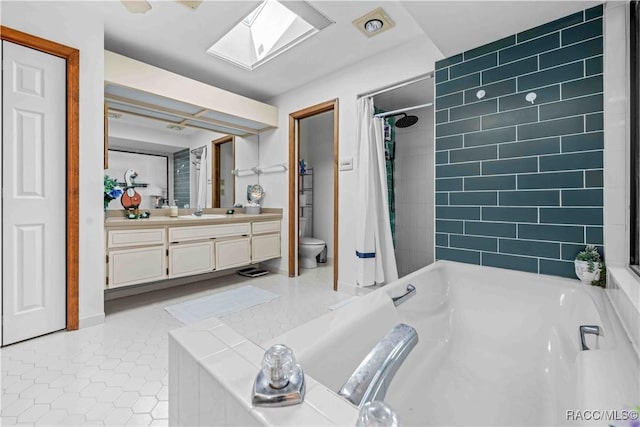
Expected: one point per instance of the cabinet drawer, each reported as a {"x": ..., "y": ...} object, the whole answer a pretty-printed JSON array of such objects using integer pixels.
[
  {"x": 265, "y": 227},
  {"x": 265, "y": 247},
  {"x": 138, "y": 237},
  {"x": 232, "y": 253},
  {"x": 201, "y": 232},
  {"x": 132, "y": 266},
  {"x": 191, "y": 258}
]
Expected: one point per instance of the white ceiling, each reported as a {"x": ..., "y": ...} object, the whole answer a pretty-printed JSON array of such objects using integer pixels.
[
  {"x": 411, "y": 95},
  {"x": 176, "y": 38}
]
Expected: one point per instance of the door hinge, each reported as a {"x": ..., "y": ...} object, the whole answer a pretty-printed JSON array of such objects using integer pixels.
[
  {"x": 167, "y": 252},
  {"x": 107, "y": 259},
  {"x": 167, "y": 271},
  {"x": 107, "y": 280}
]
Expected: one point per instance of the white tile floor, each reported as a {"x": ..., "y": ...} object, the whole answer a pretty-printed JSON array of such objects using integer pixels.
[{"x": 115, "y": 374}]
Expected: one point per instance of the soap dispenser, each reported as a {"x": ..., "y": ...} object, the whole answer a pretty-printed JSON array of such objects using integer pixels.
[{"x": 173, "y": 210}]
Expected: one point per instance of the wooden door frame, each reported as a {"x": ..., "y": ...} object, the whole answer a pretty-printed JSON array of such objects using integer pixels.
[
  {"x": 72, "y": 58},
  {"x": 294, "y": 158},
  {"x": 215, "y": 168}
]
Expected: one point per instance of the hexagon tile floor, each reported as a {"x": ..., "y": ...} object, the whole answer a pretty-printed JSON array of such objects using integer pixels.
[{"x": 115, "y": 374}]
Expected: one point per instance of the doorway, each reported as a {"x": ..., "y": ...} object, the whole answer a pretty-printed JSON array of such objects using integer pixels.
[
  {"x": 34, "y": 236},
  {"x": 299, "y": 188},
  {"x": 222, "y": 179}
]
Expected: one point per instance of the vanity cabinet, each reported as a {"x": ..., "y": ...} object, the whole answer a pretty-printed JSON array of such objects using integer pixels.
[
  {"x": 233, "y": 252},
  {"x": 180, "y": 249},
  {"x": 135, "y": 256},
  {"x": 265, "y": 241},
  {"x": 191, "y": 258},
  {"x": 226, "y": 246}
]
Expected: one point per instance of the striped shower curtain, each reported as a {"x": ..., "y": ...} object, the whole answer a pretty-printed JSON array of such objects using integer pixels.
[{"x": 375, "y": 257}]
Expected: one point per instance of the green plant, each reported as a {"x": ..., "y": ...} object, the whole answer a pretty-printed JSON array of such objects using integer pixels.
[
  {"x": 602, "y": 280},
  {"x": 590, "y": 255},
  {"x": 111, "y": 190}
]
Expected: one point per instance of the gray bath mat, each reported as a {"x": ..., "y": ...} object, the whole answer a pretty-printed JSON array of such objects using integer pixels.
[{"x": 220, "y": 304}]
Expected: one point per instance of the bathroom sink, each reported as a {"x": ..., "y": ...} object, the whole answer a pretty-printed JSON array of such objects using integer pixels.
[{"x": 203, "y": 216}]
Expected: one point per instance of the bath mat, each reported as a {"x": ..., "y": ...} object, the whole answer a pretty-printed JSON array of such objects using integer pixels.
[{"x": 220, "y": 304}]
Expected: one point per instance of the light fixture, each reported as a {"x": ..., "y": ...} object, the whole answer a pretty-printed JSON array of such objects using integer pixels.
[
  {"x": 373, "y": 23},
  {"x": 175, "y": 127}
]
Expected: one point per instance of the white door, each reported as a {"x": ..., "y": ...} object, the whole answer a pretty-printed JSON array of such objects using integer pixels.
[{"x": 33, "y": 190}]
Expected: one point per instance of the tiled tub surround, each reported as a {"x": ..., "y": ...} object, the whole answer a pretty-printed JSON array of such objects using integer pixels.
[
  {"x": 519, "y": 185},
  {"x": 470, "y": 350},
  {"x": 211, "y": 371}
]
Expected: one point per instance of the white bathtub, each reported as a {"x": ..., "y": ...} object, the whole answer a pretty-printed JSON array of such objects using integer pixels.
[{"x": 496, "y": 347}]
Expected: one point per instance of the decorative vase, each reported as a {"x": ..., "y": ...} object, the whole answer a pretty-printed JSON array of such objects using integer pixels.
[{"x": 583, "y": 273}]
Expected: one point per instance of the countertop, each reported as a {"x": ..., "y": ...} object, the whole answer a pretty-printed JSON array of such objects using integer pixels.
[{"x": 157, "y": 219}]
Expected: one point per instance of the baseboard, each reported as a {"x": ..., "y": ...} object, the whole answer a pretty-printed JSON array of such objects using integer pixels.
[
  {"x": 91, "y": 321},
  {"x": 111, "y": 294}
]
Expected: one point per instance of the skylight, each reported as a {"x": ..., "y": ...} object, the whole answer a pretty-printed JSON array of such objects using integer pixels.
[{"x": 267, "y": 31}]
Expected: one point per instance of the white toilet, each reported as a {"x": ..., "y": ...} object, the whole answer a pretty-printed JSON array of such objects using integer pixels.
[{"x": 308, "y": 247}]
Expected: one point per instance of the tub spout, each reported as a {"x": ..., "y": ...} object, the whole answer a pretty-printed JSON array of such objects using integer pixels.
[{"x": 372, "y": 377}]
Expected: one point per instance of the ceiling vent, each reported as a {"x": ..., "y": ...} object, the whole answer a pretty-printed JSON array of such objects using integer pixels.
[{"x": 375, "y": 22}]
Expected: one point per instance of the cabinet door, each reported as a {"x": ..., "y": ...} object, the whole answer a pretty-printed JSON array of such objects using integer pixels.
[
  {"x": 233, "y": 253},
  {"x": 191, "y": 258},
  {"x": 133, "y": 266},
  {"x": 265, "y": 247}
]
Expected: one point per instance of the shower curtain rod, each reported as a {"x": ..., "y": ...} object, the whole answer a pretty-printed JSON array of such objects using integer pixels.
[
  {"x": 402, "y": 110},
  {"x": 404, "y": 83}
]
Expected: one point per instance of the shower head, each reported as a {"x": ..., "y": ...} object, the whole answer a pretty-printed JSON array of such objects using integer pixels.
[{"x": 406, "y": 121}]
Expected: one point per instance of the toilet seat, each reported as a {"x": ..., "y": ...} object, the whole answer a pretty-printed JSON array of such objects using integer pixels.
[{"x": 311, "y": 241}]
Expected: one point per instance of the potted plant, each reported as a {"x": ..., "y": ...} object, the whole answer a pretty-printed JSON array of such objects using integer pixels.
[
  {"x": 588, "y": 265},
  {"x": 111, "y": 190}
]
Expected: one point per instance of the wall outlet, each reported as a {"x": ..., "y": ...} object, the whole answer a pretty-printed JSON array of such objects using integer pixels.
[{"x": 346, "y": 164}]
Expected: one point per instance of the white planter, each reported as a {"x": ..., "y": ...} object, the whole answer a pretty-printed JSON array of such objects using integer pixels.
[{"x": 582, "y": 271}]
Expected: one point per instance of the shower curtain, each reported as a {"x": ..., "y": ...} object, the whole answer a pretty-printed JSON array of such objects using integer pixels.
[
  {"x": 201, "y": 200},
  {"x": 375, "y": 257}
]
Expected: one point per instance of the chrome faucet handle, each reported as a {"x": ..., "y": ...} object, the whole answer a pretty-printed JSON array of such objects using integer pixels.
[
  {"x": 378, "y": 414},
  {"x": 411, "y": 290},
  {"x": 280, "y": 382},
  {"x": 588, "y": 329}
]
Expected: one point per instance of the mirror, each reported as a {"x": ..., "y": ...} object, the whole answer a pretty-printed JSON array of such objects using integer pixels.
[{"x": 168, "y": 158}]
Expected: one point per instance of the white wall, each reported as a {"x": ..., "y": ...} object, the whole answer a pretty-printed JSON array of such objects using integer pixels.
[
  {"x": 617, "y": 139},
  {"x": 248, "y": 156},
  {"x": 414, "y": 192},
  {"x": 623, "y": 285},
  {"x": 400, "y": 63},
  {"x": 70, "y": 23},
  {"x": 316, "y": 147}
]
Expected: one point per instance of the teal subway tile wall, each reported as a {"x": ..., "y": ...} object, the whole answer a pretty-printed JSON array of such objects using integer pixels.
[
  {"x": 182, "y": 177},
  {"x": 519, "y": 184}
]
